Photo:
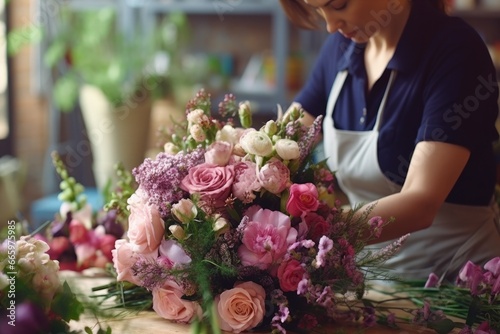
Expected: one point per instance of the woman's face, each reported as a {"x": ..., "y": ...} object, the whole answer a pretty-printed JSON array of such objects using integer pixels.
[{"x": 357, "y": 20}]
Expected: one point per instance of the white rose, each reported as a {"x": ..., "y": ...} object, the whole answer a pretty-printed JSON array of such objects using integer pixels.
[
  {"x": 257, "y": 143},
  {"x": 287, "y": 149}
]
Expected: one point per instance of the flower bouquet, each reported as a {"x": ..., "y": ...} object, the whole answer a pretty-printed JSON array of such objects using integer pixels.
[
  {"x": 235, "y": 228},
  {"x": 32, "y": 296},
  {"x": 77, "y": 238}
]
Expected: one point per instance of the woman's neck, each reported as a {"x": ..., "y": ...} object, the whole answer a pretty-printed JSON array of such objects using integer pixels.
[
  {"x": 381, "y": 46},
  {"x": 388, "y": 36}
]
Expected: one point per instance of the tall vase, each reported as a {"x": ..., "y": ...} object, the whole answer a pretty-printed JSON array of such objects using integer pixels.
[{"x": 116, "y": 134}]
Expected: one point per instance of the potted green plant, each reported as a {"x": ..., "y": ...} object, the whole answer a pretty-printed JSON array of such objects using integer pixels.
[{"x": 113, "y": 78}]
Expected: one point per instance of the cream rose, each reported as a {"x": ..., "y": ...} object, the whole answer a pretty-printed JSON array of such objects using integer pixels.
[{"x": 241, "y": 308}]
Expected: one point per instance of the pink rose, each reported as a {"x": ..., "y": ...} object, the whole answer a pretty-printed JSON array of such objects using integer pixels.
[
  {"x": 266, "y": 237},
  {"x": 303, "y": 199},
  {"x": 146, "y": 228},
  {"x": 245, "y": 181},
  {"x": 168, "y": 304},
  {"x": 241, "y": 308},
  {"x": 317, "y": 226},
  {"x": 219, "y": 153},
  {"x": 290, "y": 273},
  {"x": 212, "y": 182},
  {"x": 274, "y": 176},
  {"x": 123, "y": 259}
]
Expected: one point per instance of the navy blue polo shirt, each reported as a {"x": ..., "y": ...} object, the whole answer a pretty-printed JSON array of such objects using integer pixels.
[{"x": 445, "y": 90}]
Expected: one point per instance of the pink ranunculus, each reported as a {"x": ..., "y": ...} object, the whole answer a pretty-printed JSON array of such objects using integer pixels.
[
  {"x": 241, "y": 308},
  {"x": 146, "y": 228},
  {"x": 212, "y": 182},
  {"x": 303, "y": 199},
  {"x": 290, "y": 273},
  {"x": 317, "y": 226},
  {"x": 78, "y": 233},
  {"x": 245, "y": 181},
  {"x": 123, "y": 259},
  {"x": 266, "y": 238},
  {"x": 168, "y": 304},
  {"x": 274, "y": 176},
  {"x": 219, "y": 153}
]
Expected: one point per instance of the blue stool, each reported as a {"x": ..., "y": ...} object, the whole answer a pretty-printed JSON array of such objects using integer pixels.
[{"x": 45, "y": 209}]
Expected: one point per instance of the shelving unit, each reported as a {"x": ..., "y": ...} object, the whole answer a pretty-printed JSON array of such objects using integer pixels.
[
  {"x": 143, "y": 14},
  {"x": 487, "y": 22}
]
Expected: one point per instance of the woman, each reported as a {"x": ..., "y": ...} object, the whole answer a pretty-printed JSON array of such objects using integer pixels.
[{"x": 410, "y": 97}]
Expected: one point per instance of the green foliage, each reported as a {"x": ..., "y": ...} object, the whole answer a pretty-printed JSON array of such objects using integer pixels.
[
  {"x": 71, "y": 190},
  {"x": 89, "y": 47},
  {"x": 67, "y": 305},
  {"x": 117, "y": 198}
]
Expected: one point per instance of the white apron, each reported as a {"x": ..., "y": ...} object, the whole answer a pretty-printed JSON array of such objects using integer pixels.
[{"x": 459, "y": 233}]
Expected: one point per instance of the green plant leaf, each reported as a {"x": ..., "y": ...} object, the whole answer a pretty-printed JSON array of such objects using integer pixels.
[
  {"x": 67, "y": 305},
  {"x": 66, "y": 92},
  {"x": 55, "y": 52}
]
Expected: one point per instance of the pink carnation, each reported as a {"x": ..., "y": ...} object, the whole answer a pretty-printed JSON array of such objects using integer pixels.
[{"x": 245, "y": 183}]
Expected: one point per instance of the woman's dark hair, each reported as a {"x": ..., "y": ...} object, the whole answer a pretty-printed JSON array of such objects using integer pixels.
[{"x": 306, "y": 17}]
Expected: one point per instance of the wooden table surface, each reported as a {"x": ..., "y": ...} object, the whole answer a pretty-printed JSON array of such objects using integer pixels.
[{"x": 129, "y": 322}]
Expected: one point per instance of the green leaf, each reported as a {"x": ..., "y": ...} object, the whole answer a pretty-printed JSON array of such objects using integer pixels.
[
  {"x": 54, "y": 53},
  {"x": 67, "y": 305},
  {"x": 443, "y": 326},
  {"x": 66, "y": 92},
  {"x": 19, "y": 38}
]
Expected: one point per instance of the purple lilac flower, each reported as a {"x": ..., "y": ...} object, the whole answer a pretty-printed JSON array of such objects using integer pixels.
[
  {"x": 310, "y": 139},
  {"x": 388, "y": 251},
  {"x": 161, "y": 178},
  {"x": 325, "y": 245},
  {"x": 391, "y": 319},
  {"x": 307, "y": 322},
  {"x": 151, "y": 273},
  {"x": 369, "y": 317}
]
